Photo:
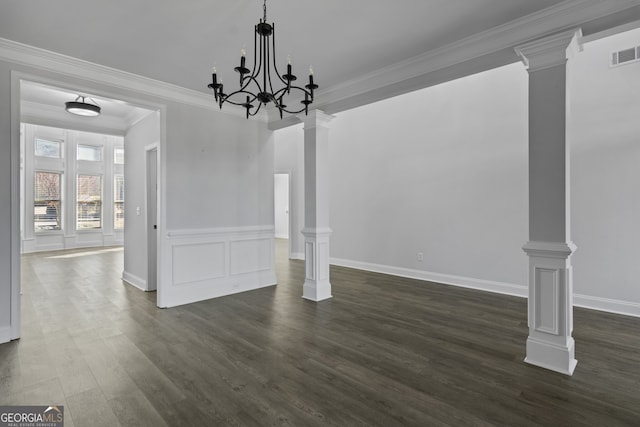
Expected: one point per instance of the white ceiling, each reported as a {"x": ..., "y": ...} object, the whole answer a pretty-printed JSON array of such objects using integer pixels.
[
  {"x": 179, "y": 41},
  {"x": 345, "y": 40}
]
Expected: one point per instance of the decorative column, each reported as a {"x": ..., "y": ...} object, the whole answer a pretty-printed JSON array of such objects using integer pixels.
[
  {"x": 550, "y": 344},
  {"x": 316, "y": 229}
]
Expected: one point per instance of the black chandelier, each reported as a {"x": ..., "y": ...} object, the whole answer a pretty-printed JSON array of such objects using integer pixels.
[{"x": 265, "y": 92}]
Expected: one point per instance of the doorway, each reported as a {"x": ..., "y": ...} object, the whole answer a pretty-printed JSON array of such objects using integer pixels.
[
  {"x": 152, "y": 218},
  {"x": 281, "y": 207}
]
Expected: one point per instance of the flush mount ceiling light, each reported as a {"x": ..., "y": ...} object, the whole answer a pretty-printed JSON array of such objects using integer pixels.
[
  {"x": 82, "y": 108},
  {"x": 264, "y": 52}
]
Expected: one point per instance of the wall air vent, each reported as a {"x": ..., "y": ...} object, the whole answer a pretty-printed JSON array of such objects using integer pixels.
[{"x": 625, "y": 56}]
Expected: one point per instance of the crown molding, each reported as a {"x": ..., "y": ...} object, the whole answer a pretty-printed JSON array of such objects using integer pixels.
[
  {"x": 42, "y": 59},
  {"x": 563, "y": 16}
]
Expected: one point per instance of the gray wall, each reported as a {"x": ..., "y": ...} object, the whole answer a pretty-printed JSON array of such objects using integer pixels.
[
  {"x": 219, "y": 170},
  {"x": 443, "y": 171},
  {"x": 142, "y": 134},
  {"x": 605, "y": 156}
]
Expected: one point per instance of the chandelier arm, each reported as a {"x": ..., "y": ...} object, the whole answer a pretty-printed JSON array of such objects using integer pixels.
[
  {"x": 268, "y": 69},
  {"x": 250, "y": 79},
  {"x": 280, "y": 93},
  {"x": 304, "y": 91},
  {"x": 275, "y": 66},
  {"x": 255, "y": 50},
  {"x": 264, "y": 61},
  {"x": 228, "y": 99},
  {"x": 257, "y": 109},
  {"x": 293, "y": 112},
  {"x": 257, "y": 58}
]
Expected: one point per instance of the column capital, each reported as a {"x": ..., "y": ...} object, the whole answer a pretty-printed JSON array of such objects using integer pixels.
[
  {"x": 550, "y": 51},
  {"x": 316, "y": 118},
  {"x": 313, "y": 231},
  {"x": 558, "y": 250}
]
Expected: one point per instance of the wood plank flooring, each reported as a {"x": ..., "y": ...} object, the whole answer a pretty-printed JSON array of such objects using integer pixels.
[{"x": 385, "y": 351}]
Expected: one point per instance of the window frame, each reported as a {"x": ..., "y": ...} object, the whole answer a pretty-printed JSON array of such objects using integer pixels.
[
  {"x": 78, "y": 201},
  {"x": 60, "y": 217}
]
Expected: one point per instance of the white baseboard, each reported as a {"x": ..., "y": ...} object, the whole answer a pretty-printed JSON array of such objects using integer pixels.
[
  {"x": 447, "y": 279},
  {"x": 5, "y": 334},
  {"x": 585, "y": 301},
  {"x": 608, "y": 305},
  {"x": 134, "y": 281}
]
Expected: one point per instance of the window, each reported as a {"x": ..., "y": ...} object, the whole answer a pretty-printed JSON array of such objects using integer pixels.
[
  {"x": 89, "y": 153},
  {"x": 118, "y": 202},
  {"x": 45, "y": 148},
  {"x": 47, "y": 201},
  {"x": 89, "y": 202},
  {"x": 118, "y": 156}
]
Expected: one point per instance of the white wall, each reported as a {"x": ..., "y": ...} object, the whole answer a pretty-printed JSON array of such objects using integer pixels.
[
  {"x": 605, "y": 132},
  {"x": 443, "y": 171},
  {"x": 142, "y": 134}
]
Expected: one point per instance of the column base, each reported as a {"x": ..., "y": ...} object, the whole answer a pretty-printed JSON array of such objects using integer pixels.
[
  {"x": 552, "y": 356},
  {"x": 316, "y": 291}
]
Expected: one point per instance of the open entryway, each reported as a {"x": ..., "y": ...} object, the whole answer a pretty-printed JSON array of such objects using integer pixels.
[
  {"x": 72, "y": 178},
  {"x": 281, "y": 207}
]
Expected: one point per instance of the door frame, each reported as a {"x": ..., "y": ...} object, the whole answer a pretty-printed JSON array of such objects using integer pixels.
[
  {"x": 15, "y": 286},
  {"x": 289, "y": 225},
  {"x": 53, "y": 78},
  {"x": 147, "y": 151}
]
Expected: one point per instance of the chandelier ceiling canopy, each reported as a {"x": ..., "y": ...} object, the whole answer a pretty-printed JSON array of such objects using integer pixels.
[{"x": 256, "y": 86}]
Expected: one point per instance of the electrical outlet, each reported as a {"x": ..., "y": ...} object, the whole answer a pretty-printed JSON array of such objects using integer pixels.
[{"x": 420, "y": 256}]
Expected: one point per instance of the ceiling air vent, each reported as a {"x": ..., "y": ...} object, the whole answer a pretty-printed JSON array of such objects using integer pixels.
[{"x": 625, "y": 56}]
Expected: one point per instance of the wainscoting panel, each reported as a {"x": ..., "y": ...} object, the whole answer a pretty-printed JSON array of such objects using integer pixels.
[
  {"x": 198, "y": 262},
  {"x": 251, "y": 255},
  {"x": 5, "y": 334},
  {"x": 211, "y": 263}
]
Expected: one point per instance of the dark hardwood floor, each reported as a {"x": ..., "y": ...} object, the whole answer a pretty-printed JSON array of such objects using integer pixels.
[{"x": 385, "y": 351}]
